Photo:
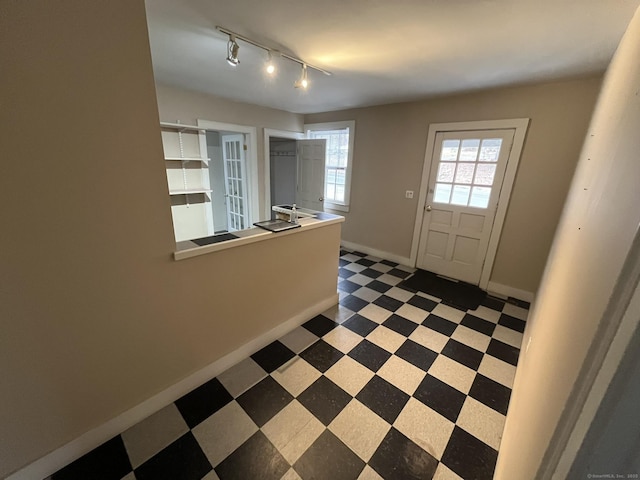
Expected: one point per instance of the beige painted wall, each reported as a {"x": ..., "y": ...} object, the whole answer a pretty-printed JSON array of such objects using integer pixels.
[
  {"x": 389, "y": 153},
  {"x": 96, "y": 316},
  {"x": 178, "y": 104},
  {"x": 589, "y": 255}
]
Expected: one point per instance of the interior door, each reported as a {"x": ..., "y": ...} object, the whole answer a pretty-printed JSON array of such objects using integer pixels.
[
  {"x": 235, "y": 182},
  {"x": 467, "y": 170},
  {"x": 311, "y": 169}
]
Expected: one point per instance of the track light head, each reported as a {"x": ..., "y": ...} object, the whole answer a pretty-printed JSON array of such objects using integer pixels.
[
  {"x": 302, "y": 82},
  {"x": 271, "y": 66},
  {"x": 232, "y": 51}
]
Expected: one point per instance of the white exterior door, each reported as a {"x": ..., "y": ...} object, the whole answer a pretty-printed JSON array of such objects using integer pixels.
[
  {"x": 467, "y": 171},
  {"x": 311, "y": 169},
  {"x": 235, "y": 174}
]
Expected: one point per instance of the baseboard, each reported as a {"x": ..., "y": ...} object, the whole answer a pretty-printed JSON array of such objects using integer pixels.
[
  {"x": 507, "y": 291},
  {"x": 377, "y": 253},
  {"x": 73, "y": 450}
]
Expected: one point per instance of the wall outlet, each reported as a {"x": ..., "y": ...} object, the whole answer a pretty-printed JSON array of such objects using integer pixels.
[{"x": 408, "y": 194}]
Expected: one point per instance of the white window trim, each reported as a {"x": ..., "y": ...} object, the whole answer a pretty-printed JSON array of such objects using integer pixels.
[{"x": 351, "y": 125}]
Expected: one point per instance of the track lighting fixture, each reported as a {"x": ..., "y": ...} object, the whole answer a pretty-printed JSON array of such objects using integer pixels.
[
  {"x": 302, "y": 82},
  {"x": 270, "y": 68},
  {"x": 232, "y": 51}
]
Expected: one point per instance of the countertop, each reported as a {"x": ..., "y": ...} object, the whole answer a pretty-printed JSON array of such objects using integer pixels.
[{"x": 189, "y": 248}]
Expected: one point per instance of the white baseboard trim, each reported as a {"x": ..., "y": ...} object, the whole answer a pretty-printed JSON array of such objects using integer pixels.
[
  {"x": 377, "y": 253},
  {"x": 73, "y": 450},
  {"x": 507, "y": 291}
]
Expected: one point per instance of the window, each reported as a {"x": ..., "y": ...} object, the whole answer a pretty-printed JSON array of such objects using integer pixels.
[{"x": 339, "y": 160}]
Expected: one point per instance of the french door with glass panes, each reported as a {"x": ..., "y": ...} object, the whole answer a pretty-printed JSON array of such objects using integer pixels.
[
  {"x": 467, "y": 170},
  {"x": 235, "y": 182}
]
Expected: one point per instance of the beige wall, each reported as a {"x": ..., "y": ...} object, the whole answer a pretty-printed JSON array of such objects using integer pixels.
[
  {"x": 389, "y": 153},
  {"x": 588, "y": 258},
  {"x": 96, "y": 316},
  {"x": 178, "y": 104}
]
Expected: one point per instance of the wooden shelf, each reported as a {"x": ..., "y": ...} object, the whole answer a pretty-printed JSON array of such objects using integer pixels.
[
  {"x": 189, "y": 191},
  {"x": 187, "y": 159}
]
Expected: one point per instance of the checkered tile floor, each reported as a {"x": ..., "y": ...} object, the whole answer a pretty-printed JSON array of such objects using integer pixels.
[{"x": 390, "y": 384}]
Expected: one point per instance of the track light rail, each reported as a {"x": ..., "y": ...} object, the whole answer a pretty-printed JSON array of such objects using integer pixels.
[{"x": 237, "y": 36}]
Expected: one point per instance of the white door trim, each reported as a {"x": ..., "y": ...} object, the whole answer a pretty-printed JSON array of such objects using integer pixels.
[
  {"x": 251, "y": 158},
  {"x": 268, "y": 133},
  {"x": 520, "y": 125}
]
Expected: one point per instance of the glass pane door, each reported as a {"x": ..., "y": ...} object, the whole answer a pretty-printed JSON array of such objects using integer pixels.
[{"x": 235, "y": 182}]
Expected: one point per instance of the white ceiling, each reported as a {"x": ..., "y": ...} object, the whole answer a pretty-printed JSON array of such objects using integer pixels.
[{"x": 380, "y": 51}]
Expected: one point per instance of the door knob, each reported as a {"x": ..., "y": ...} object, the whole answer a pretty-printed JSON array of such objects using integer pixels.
[
  {"x": 428, "y": 208},
  {"x": 321, "y": 199}
]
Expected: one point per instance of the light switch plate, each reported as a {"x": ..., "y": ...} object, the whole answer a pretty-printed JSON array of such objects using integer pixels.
[{"x": 408, "y": 194}]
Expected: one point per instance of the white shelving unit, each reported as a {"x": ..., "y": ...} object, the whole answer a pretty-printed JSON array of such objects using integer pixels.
[
  {"x": 188, "y": 180},
  {"x": 188, "y": 159},
  {"x": 189, "y": 191}
]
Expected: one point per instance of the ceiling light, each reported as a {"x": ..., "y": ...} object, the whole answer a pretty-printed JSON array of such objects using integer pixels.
[
  {"x": 232, "y": 51},
  {"x": 302, "y": 82},
  {"x": 271, "y": 66}
]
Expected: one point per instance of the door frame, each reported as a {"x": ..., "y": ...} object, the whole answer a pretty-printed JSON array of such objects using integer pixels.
[
  {"x": 268, "y": 133},
  {"x": 520, "y": 126},
  {"x": 251, "y": 159}
]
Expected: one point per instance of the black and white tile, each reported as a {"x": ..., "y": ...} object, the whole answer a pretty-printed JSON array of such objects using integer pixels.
[{"x": 388, "y": 370}]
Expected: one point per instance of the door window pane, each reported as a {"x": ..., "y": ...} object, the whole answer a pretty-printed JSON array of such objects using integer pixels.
[
  {"x": 485, "y": 174},
  {"x": 445, "y": 172},
  {"x": 460, "y": 195},
  {"x": 442, "y": 193},
  {"x": 480, "y": 197},
  {"x": 490, "y": 150},
  {"x": 462, "y": 181},
  {"x": 464, "y": 172},
  {"x": 449, "y": 150},
  {"x": 469, "y": 150}
]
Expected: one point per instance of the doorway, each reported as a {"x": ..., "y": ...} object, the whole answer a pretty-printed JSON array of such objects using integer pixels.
[
  {"x": 233, "y": 167},
  {"x": 283, "y": 170},
  {"x": 468, "y": 176},
  {"x": 294, "y": 170},
  {"x": 228, "y": 180}
]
